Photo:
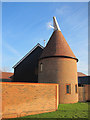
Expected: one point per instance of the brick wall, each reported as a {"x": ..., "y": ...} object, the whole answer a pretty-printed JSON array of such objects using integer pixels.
[{"x": 21, "y": 99}]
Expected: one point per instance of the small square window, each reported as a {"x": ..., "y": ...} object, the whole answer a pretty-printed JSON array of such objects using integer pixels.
[
  {"x": 68, "y": 89},
  {"x": 76, "y": 88}
]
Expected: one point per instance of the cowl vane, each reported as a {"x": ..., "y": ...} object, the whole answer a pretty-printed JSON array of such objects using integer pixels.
[{"x": 55, "y": 24}]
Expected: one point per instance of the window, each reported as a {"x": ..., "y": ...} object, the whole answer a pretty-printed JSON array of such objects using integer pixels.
[
  {"x": 68, "y": 89},
  {"x": 41, "y": 67},
  {"x": 76, "y": 88}
]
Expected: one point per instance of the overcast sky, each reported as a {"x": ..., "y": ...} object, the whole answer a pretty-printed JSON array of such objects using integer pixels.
[{"x": 26, "y": 24}]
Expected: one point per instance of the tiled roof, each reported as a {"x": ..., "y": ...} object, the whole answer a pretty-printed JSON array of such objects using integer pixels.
[
  {"x": 80, "y": 74},
  {"x": 57, "y": 46},
  {"x": 5, "y": 75}
]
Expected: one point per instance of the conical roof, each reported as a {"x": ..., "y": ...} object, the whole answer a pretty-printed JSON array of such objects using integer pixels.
[{"x": 57, "y": 46}]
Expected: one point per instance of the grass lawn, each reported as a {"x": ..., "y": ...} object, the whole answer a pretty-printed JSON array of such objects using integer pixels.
[{"x": 76, "y": 110}]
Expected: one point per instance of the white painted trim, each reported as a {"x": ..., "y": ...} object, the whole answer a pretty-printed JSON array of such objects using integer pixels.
[
  {"x": 55, "y": 24},
  {"x": 38, "y": 45}
]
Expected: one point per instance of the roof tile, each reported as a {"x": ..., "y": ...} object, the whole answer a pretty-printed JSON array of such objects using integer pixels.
[{"x": 57, "y": 46}]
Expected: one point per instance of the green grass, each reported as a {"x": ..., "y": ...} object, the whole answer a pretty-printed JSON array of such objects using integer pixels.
[{"x": 76, "y": 110}]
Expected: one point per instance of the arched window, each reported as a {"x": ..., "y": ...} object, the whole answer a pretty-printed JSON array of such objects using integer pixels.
[{"x": 41, "y": 67}]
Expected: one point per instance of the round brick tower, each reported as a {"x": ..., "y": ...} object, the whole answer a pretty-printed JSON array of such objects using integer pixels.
[{"x": 58, "y": 64}]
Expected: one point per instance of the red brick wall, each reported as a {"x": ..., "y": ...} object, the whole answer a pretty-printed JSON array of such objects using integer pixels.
[{"x": 21, "y": 99}]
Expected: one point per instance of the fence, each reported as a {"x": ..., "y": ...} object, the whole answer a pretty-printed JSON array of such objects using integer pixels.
[{"x": 83, "y": 93}]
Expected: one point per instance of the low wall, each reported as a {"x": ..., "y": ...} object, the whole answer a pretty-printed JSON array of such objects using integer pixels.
[
  {"x": 83, "y": 93},
  {"x": 21, "y": 99}
]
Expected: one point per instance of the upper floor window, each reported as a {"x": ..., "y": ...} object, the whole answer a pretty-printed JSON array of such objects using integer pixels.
[
  {"x": 41, "y": 67},
  {"x": 68, "y": 89},
  {"x": 76, "y": 88}
]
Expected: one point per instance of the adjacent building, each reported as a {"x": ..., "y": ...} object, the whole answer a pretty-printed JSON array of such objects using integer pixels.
[
  {"x": 6, "y": 76},
  {"x": 26, "y": 70}
]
